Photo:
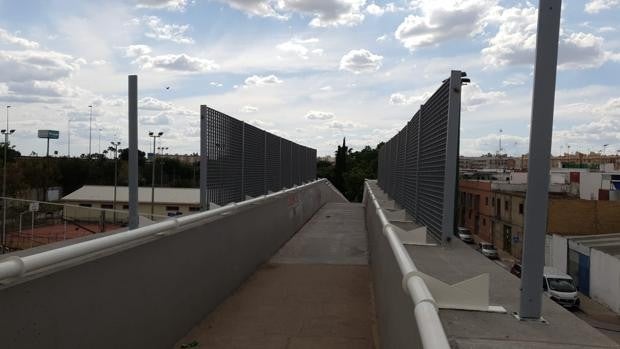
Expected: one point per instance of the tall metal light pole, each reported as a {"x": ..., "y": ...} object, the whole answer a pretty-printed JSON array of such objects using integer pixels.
[
  {"x": 154, "y": 136},
  {"x": 90, "y": 131},
  {"x": 68, "y": 137},
  {"x": 99, "y": 151},
  {"x": 115, "y": 144},
  {"x": 161, "y": 174},
  {"x": 6, "y": 132}
]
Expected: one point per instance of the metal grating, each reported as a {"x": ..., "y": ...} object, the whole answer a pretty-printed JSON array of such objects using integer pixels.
[
  {"x": 224, "y": 149},
  {"x": 243, "y": 160},
  {"x": 417, "y": 167}
]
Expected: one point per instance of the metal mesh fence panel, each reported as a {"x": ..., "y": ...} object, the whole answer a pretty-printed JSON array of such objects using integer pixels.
[
  {"x": 243, "y": 160},
  {"x": 272, "y": 171},
  {"x": 253, "y": 161},
  {"x": 287, "y": 163},
  {"x": 417, "y": 167},
  {"x": 224, "y": 158}
]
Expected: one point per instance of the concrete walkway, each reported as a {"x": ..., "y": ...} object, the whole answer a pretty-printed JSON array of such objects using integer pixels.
[{"x": 315, "y": 292}]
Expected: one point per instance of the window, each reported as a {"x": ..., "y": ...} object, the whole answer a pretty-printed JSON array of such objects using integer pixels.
[
  {"x": 521, "y": 208},
  {"x": 484, "y": 221},
  {"x": 125, "y": 207},
  {"x": 506, "y": 205},
  {"x": 194, "y": 209},
  {"x": 486, "y": 201},
  {"x": 108, "y": 206},
  {"x": 172, "y": 208},
  {"x": 86, "y": 205},
  {"x": 470, "y": 214}
]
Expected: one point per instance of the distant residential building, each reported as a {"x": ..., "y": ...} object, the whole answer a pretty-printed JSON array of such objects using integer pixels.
[
  {"x": 487, "y": 162},
  {"x": 184, "y": 158},
  {"x": 495, "y": 210}
]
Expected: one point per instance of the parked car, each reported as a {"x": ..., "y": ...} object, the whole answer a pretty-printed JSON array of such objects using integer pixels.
[
  {"x": 560, "y": 288},
  {"x": 488, "y": 250},
  {"x": 465, "y": 235},
  {"x": 516, "y": 269}
]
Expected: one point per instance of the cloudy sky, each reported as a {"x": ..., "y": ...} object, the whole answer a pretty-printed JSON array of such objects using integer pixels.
[{"x": 309, "y": 70}]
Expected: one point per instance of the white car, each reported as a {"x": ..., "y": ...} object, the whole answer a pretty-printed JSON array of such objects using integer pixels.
[
  {"x": 560, "y": 288},
  {"x": 488, "y": 250},
  {"x": 465, "y": 235}
]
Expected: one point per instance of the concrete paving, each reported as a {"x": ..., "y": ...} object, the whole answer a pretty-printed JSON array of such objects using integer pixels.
[
  {"x": 457, "y": 262},
  {"x": 316, "y": 292}
]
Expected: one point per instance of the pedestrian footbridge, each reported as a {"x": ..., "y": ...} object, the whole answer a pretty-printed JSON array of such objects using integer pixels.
[{"x": 300, "y": 268}]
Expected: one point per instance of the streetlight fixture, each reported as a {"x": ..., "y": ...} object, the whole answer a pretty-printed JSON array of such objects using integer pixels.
[
  {"x": 6, "y": 132},
  {"x": 115, "y": 145},
  {"x": 90, "y": 131},
  {"x": 69, "y": 137},
  {"x": 161, "y": 174},
  {"x": 154, "y": 136}
]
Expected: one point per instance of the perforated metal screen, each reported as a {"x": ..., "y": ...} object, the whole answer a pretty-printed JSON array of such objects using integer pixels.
[
  {"x": 244, "y": 160},
  {"x": 418, "y": 166}
]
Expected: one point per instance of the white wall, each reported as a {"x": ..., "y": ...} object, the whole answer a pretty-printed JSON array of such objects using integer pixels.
[
  {"x": 605, "y": 279},
  {"x": 559, "y": 252},
  {"x": 589, "y": 184}
]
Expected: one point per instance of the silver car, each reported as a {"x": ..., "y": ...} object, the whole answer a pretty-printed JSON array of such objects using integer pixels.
[
  {"x": 488, "y": 250},
  {"x": 465, "y": 235}
]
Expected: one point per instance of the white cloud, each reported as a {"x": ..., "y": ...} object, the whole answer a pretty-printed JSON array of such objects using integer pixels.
[
  {"x": 438, "y": 21},
  {"x": 299, "y": 47},
  {"x": 137, "y": 50},
  {"x": 166, "y": 32},
  {"x": 401, "y": 99},
  {"x": 517, "y": 79},
  {"x": 596, "y": 6},
  {"x": 360, "y": 61},
  {"x": 171, "y": 5},
  {"x": 36, "y": 65},
  {"x": 382, "y": 38},
  {"x": 256, "y": 80},
  {"x": 150, "y": 103},
  {"x": 260, "y": 123},
  {"x": 215, "y": 84},
  {"x": 176, "y": 62},
  {"x": 319, "y": 115},
  {"x": 160, "y": 119},
  {"x": 515, "y": 43},
  {"x": 326, "y": 88},
  {"x": 324, "y": 13},
  {"x": 16, "y": 40},
  {"x": 375, "y": 10},
  {"x": 248, "y": 109},
  {"x": 99, "y": 62},
  {"x": 341, "y": 125},
  {"x": 474, "y": 97}
]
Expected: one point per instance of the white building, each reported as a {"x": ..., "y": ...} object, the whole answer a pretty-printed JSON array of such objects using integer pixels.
[
  {"x": 593, "y": 261},
  {"x": 85, "y": 204}
]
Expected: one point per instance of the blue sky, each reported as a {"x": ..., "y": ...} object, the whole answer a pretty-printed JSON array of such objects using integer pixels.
[{"x": 311, "y": 71}]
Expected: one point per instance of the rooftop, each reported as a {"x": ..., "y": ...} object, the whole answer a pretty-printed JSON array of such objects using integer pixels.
[{"x": 103, "y": 193}]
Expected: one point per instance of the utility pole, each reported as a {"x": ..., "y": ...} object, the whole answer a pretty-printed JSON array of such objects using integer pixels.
[
  {"x": 90, "y": 131},
  {"x": 6, "y": 133},
  {"x": 68, "y": 137},
  {"x": 132, "y": 97},
  {"x": 154, "y": 136},
  {"x": 115, "y": 144}
]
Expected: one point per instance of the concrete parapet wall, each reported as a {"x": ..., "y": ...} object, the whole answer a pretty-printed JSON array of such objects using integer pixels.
[
  {"x": 394, "y": 308},
  {"x": 150, "y": 294}
]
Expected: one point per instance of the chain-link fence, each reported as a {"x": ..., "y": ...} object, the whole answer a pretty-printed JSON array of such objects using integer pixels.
[
  {"x": 244, "y": 160},
  {"x": 32, "y": 223},
  {"x": 418, "y": 167}
]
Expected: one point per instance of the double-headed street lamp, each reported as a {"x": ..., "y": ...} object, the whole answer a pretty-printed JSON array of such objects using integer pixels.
[
  {"x": 6, "y": 132},
  {"x": 115, "y": 145},
  {"x": 161, "y": 175},
  {"x": 155, "y": 136}
]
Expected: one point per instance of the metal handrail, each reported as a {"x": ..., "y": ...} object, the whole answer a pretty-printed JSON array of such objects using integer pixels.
[
  {"x": 430, "y": 328},
  {"x": 14, "y": 267}
]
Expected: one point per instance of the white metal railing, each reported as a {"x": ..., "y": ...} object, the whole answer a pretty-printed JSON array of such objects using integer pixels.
[
  {"x": 14, "y": 267},
  {"x": 432, "y": 334}
]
